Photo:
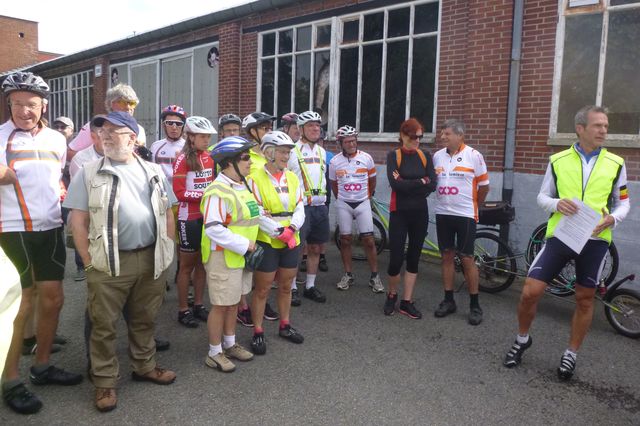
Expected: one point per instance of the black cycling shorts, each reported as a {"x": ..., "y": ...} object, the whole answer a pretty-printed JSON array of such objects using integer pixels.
[
  {"x": 275, "y": 258},
  {"x": 316, "y": 225},
  {"x": 189, "y": 235},
  {"x": 456, "y": 233},
  {"x": 38, "y": 255}
]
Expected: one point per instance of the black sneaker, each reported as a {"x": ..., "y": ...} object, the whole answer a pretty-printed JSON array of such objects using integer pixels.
[
  {"x": 390, "y": 304},
  {"x": 186, "y": 318},
  {"x": 270, "y": 314},
  {"x": 244, "y": 317},
  {"x": 322, "y": 264},
  {"x": 445, "y": 308},
  {"x": 201, "y": 313},
  {"x": 258, "y": 344},
  {"x": 291, "y": 334},
  {"x": 31, "y": 349},
  {"x": 567, "y": 366},
  {"x": 295, "y": 298},
  {"x": 161, "y": 345},
  {"x": 59, "y": 339},
  {"x": 55, "y": 376},
  {"x": 408, "y": 308},
  {"x": 21, "y": 400},
  {"x": 475, "y": 315},
  {"x": 514, "y": 356},
  {"x": 314, "y": 294}
]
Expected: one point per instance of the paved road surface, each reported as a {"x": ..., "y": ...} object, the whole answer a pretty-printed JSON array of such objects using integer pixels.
[{"x": 359, "y": 367}]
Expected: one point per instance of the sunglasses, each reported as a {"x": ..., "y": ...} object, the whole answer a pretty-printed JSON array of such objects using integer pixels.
[
  {"x": 244, "y": 157},
  {"x": 415, "y": 137},
  {"x": 176, "y": 123},
  {"x": 132, "y": 104}
]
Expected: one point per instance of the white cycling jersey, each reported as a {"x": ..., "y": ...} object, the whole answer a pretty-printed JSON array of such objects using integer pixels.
[
  {"x": 33, "y": 202},
  {"x": 459, "y": 176},
  {"x": 352, "y": 175},
  {"x": 164, "y": 152}
]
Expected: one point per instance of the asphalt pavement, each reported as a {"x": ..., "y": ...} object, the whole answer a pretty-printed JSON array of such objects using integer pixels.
[{"x": 358, "y": 366}]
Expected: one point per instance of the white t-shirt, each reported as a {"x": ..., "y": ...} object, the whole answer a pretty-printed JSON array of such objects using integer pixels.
[
  {"x": 85, "y": 156},
  {"x": 459, "y": 176},
  {"x": 352, "y": 174},
  {"x": 164, "y": 152},
  {"x": 315, "y": 162}
]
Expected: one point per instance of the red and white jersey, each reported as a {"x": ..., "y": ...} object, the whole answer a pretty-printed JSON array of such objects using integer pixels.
[
  {"x": 164, "y": 152},
  {"x": 33, "y": 203},
  {"x": 352, "y": 173},
  {"x": 459, "y": 176},
  {"x": 189, "y": 185}
]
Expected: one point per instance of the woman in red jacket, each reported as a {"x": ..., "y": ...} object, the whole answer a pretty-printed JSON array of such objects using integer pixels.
[{"x": 193, "y": 171}]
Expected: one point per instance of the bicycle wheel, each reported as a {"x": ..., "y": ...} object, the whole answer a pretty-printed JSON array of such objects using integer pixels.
[
  {"x": 357, "y": 249},
  {"x": 627, "y": 320},
  {"x": 496, "y": 262},
  {"x": 535, "y": 243}
]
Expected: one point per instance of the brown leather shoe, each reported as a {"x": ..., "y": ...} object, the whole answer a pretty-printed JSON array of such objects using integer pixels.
[
  {"x": 106, "y": 399},
  {"x": 158, "y": 375}
]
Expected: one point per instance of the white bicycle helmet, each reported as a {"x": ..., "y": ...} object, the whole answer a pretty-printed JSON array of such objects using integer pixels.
[
  {"x": 307, "y": 117},
  {"x": 346, "y": 131},
  {"x": 25, "y": 81},
  {"x": 276, "y": 138},
  {"x": 197, "y": 124},
  {"x": 229, "y": 118},
  {"x": 255, "y": 119}
]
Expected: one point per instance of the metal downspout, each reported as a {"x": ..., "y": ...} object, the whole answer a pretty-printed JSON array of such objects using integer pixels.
[{"x": 512, "y": 108}]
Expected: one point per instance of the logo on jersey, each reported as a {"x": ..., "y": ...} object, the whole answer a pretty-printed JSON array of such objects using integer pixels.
[
  {"x": 352, "y": 187},
  {"x": 459, "y": 159},
  {"x": 448, "y": 190}
]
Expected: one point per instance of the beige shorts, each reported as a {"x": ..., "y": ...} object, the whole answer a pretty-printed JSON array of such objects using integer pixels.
[{"x": 225, "y": 285}]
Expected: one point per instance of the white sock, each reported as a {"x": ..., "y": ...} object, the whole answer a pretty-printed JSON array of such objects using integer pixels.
[
  {"x": 214, "y": 350},
  {"x": 571, "y": 353},
  {"x": 294, "y": 286},
  {"x": 522, "y": 339},
  {"x": 228, "y": 341},
  {"x": 311, "y": 281}
]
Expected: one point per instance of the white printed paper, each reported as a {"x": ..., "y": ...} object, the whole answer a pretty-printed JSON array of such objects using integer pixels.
[{"x": 575, "y": 230}]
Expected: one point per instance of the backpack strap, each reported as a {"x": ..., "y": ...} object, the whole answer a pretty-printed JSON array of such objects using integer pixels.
[
  {"x": 398, "y": 157},
  {"x": 423, "y": 158}
]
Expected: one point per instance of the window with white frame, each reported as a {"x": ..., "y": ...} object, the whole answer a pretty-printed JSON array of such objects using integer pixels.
[
  {"x": 72, "y": 96},
  {"x": 372, "y": 69},
  {"x": 599, "y": 65}
]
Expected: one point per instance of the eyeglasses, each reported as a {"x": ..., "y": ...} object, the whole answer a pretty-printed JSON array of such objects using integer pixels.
[
  {"x": 111, "y": 133},
  {"x": 31, "y": 106},
  {"x": 415, "y": 137},
  {"x": 244, "y": 157},
  {"x": 176, "y": 123},
  {"x": 124, "y": 102}
]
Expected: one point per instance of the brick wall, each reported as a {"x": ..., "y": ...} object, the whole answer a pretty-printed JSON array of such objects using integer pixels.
[{"x": 16, "y": 51}]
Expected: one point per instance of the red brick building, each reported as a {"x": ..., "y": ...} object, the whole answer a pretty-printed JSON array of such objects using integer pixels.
[{"x": 19, "y": 45}]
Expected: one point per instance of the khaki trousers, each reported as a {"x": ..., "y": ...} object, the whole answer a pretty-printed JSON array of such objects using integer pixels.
[{"x": 107, "y": 296}]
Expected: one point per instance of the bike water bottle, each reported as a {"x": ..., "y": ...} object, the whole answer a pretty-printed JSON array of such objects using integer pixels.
[{"x": 602, "y": 289}]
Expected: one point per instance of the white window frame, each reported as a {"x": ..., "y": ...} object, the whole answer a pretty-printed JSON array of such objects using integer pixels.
[
  {"x": 564, "y": 10},
  {"x": 67, "y": 107},
  {"x": 334, "y": 77}
]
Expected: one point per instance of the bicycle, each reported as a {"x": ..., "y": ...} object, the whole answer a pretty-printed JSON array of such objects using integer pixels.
[{"x": 495, "y": 259}]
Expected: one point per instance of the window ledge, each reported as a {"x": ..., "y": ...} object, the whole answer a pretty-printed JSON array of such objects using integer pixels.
[{"x": 614, "y": 141}]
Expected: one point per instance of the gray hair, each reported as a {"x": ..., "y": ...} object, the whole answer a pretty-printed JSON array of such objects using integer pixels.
[
  {"x": 457, "y": 126},
  {"x": 120, "y": 91},
  {"x": 581, "y": 117}
]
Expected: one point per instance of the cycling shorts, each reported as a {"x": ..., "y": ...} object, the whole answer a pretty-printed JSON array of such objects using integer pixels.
[
  {"x": 456, "y": 233},
  {"x": 554, "y": 255},
  {"x": 346, "y": 214},
  {"x": 275, "y": 258},
  {"x": 189, "y": 235},
  {"x": 39, "y": 255},
  {"x": 316, "y": 225}
]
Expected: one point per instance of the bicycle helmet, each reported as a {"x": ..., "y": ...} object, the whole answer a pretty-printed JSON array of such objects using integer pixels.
[
  {"x": 230, "y": 147},
  {"x": 197, "y": 124},
  {"x": 308, "y": 116},
  {"x": 256, "y": 118},
  {"x": 289, "y": 118},
  {"x": 229, "y": 118},
  {"x": 27, "y": 82},
  {"x": 345, "y": 131},
  {"x": 173, "y": 110},
  {"x": 276, "y": 138}
]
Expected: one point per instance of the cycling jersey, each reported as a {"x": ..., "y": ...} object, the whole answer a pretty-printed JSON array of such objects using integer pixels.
[
  {"x": 33, "y": 202},
  {"x": 352, "y": 175},
  {"x": 309, "y": 164},
  {"x": 459, "y": 176},
  {"x": 189, "y": 185},
  {"x": 164, "y": 152}
]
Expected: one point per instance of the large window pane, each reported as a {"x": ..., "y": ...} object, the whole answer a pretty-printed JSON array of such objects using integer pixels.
[
  {"x": 286, "y": 41},
  {"x": 398, "y": 22},
  {"x": 396, "y": 85},
  {"x": 268, "y": 72},
  {"x": 284, "y": 86},
  {"x": 579, "y": 67},
  {"x": 371, "y": 81},
  {"x": 269, "y": 44},
  {"x": 373, "y": 26},
  {"x": 426, "y": 18},
  {"x": 321, "y": 84},
  {"x": 423, "y": 80},
  {"x": 621, "y": 92},
  {"x": 304, "y": 39},
  {"x": 350, "y": 31},
  {"x": 303, "y": 82},
  {"x": 348, "y": 87}
]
